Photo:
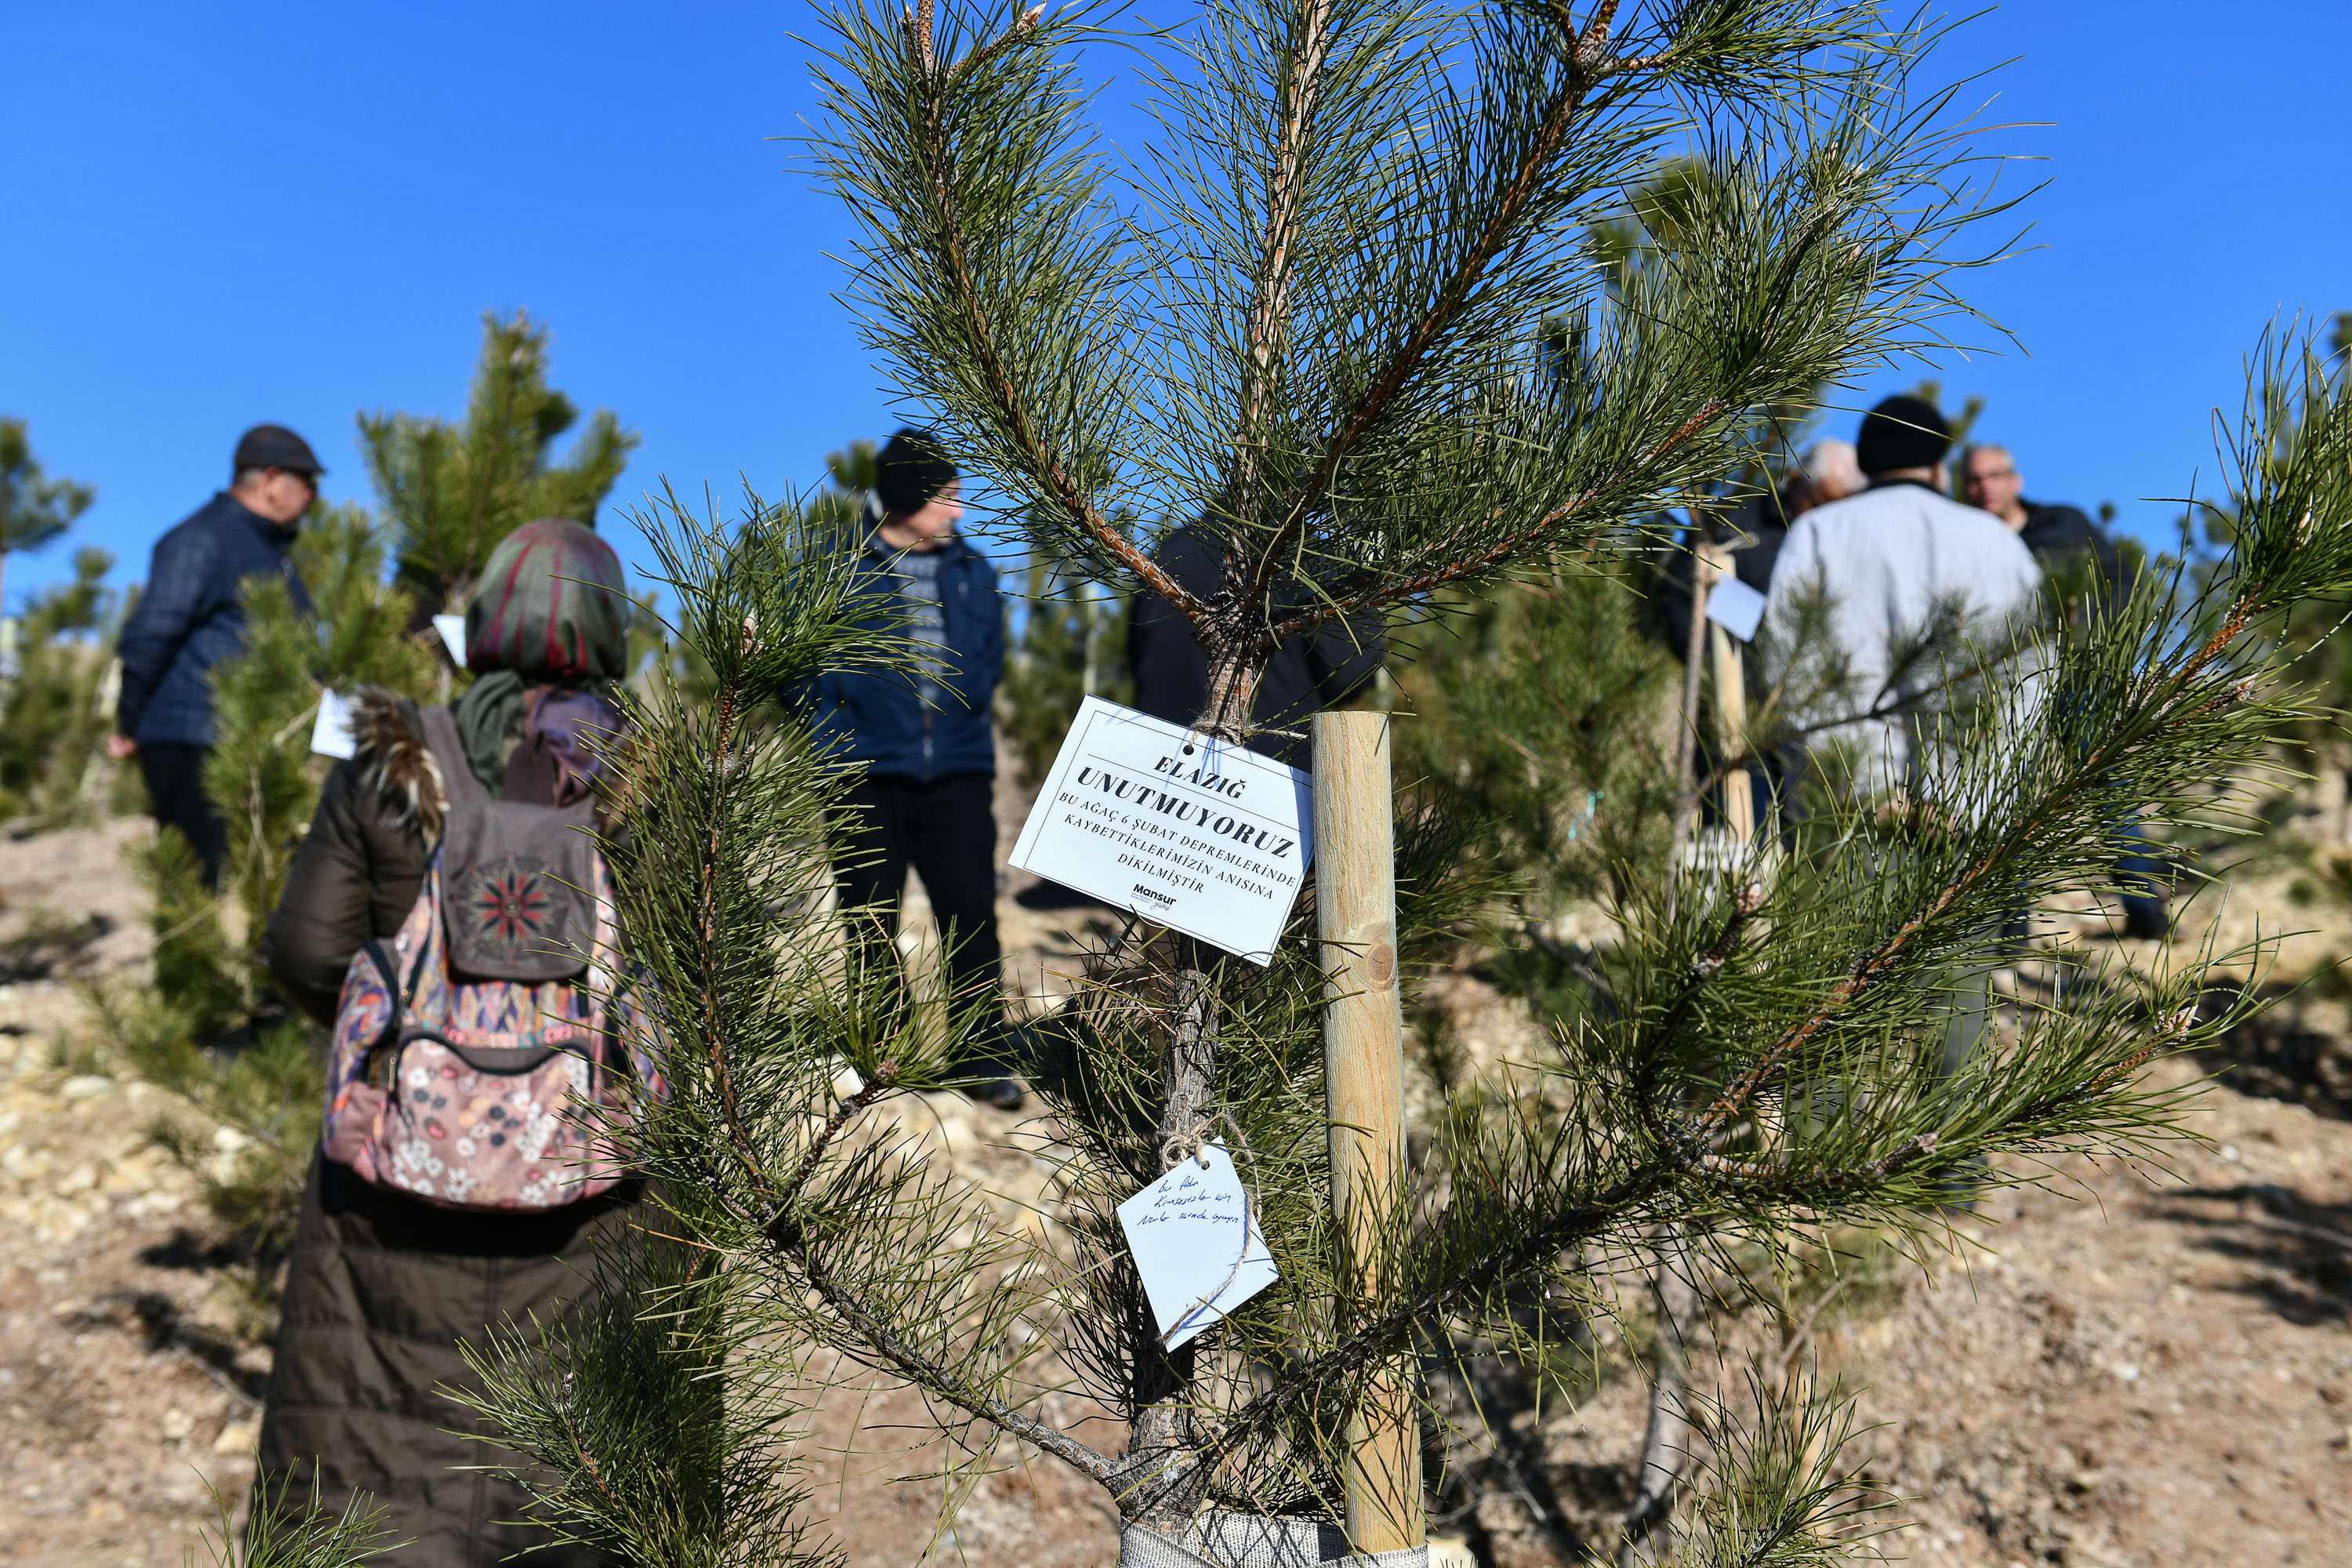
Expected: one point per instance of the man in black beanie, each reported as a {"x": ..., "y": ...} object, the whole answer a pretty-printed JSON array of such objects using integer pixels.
[{"x": 924, "y": 739}]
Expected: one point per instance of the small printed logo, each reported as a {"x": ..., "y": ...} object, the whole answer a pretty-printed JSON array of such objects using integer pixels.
[{"x": 1154, "y": 894}]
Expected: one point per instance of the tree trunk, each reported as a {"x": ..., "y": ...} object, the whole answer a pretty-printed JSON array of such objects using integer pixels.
[
  {"x": 1162, "y": 1486},
  {"x": 1666, "y": 1447}
]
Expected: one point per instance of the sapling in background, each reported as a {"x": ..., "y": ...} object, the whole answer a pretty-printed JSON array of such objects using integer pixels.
[
  {"x": 453, "y": 490},
  {"x": 54, "y": 710},
  {"x": 35, "y": 509}
]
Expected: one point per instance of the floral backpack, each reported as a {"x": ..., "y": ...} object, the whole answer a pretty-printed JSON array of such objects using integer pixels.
[{"x": 480, "y": 1059}]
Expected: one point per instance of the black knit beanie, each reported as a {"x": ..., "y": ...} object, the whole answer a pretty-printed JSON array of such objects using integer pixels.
[
  {"x": 910, "y": 471},
  {"x": 1901, "y": 433}
]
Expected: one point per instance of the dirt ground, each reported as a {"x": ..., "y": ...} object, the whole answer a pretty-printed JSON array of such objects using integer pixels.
[{"x": 2121, "y": 1368}]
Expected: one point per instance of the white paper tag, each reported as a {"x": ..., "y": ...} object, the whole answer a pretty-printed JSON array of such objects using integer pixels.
[
  {"x": 1196, "y": 1244},
  {"x": 453, "y": 636},
  {"x": 1735, "y": 607},
  {"x": 1202, "y": 835},
  {"x": 332, "y": 735}
]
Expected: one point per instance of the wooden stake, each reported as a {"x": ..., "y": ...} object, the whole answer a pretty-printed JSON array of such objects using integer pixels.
[
  {"x": 1363, "y": 1072},
  {"x": 1731, "y": 729}
]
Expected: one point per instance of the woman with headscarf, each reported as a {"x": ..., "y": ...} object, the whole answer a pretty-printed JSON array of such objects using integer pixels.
[{"x": 382, "y": 1287}]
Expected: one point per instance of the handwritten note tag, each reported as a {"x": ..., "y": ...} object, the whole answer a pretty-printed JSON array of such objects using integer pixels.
[
  {"x": 1202, "y": 835},
  {"x": 332, "y": 735},
  {"x": 1197, "y": 1244}
]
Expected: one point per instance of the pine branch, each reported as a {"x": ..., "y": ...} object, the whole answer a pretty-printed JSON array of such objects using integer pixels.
[
  {"x": 948, "y": 240},
  {"x": 1364, "y": 591},
  {"x": 1585, "y": 67}
]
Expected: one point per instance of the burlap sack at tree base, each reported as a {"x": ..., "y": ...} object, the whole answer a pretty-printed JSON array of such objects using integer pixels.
[{"x": 1249, "y": 1541}]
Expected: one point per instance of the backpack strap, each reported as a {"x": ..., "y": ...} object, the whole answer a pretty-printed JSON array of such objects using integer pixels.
[
  {"x": 439, "y": 728},
  {"x": 402, "y": 1000}
]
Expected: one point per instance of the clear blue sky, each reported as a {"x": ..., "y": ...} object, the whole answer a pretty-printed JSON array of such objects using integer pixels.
[{"x": 219, "y": 213}]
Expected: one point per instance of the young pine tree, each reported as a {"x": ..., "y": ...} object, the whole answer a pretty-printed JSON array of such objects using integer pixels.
[
  {"x": 52, "y": 712},
  {"x": 34, "y": 508},
  {"x": 1317, "y": 340},
  {"x": 453, "y": 490}
]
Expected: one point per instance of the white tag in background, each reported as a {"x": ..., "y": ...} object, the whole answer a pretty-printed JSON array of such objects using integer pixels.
[
  {"x": 1213, "y": 842},
  {"x": 453, "y": 636},
  {"x": 1735, "y": 607},
  {"x": 1196, "y": 1244},
  {"x": 332, "y": 735}
]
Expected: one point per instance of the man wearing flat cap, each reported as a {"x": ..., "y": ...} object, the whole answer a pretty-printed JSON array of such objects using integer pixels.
[
  {"x": 191, "y": 616},
  {"x": 924, "y": 743}
]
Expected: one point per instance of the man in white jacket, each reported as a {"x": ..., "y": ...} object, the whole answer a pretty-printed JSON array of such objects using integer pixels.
[{"x": 1887, "y": 565}]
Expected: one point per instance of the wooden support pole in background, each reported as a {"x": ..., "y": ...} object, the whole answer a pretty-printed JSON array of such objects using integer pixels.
[{"x": 1363, "y": 1072}]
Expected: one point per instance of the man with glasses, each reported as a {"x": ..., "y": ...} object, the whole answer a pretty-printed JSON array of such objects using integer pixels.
[
  {"x": 1990, "y": 482},
  {"x": 191, "y": 616}
]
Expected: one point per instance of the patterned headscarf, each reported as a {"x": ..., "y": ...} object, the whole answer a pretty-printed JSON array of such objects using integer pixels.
[
  {"x": 550, "y": 610},
  {"x": 551, "y": 605}
]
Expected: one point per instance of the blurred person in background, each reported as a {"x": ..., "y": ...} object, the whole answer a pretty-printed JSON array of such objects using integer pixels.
[
  {"x": 1885, "y": 565},
  {"x": 926, "y": 744},
  {"x": 2063, "y": 540},
  {"x": 2055, "y": 533},
  {"x": 191, "y": 616},
  {"x": 1884, "y": 561}
]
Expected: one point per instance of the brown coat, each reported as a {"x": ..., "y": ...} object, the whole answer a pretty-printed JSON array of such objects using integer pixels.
[
  {"x": 381, "y": 1289},
  {"x": 357, "y": 874}
]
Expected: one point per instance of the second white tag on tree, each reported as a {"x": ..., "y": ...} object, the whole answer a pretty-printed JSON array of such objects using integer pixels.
[
  {"x": 1196, "y": 1244},
  {"x": 1202, "y": 835}
]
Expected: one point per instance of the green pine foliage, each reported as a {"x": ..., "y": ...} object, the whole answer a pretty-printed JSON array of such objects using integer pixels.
[
  {"x": 53, "y": 706},
  {"x": 34, "y": 508},
  {"x": 453, "y": 490},
  {"x": 214, "y": 1029},
  {"x": 287, "y": 1530},
  {"x": 1073, "y": 645},
  {"x": 1541, "y": 709}
]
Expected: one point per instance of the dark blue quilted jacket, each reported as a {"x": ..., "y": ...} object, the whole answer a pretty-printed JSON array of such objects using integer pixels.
[
  {"x": 879, "y": 720},
  {"x": 191, "y": 616}
]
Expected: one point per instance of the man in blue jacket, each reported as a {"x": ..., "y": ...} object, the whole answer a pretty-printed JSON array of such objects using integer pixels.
[
  {"x": 926, "y": 741},
  {"x": 191, "y": 616}
]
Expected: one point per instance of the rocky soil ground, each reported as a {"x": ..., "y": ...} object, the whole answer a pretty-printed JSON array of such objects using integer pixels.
[{"x": 2120, "y": 1366}]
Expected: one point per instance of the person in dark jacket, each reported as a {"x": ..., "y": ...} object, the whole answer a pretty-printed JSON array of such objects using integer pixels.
[
  {"x": 382, "y": 1287},
  {"x": 191, "y": 616},
  {"x": 1312, "y": 671},
  {"x": 2059, "y": 535},
  {"x": 2055, "y": 533},
  {"x": 924, "y": 743}
]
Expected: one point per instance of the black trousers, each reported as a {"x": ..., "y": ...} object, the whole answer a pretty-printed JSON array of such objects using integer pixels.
[
  {"x": 947, "y": 831},
  {"x": 174, "y": 771}
]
